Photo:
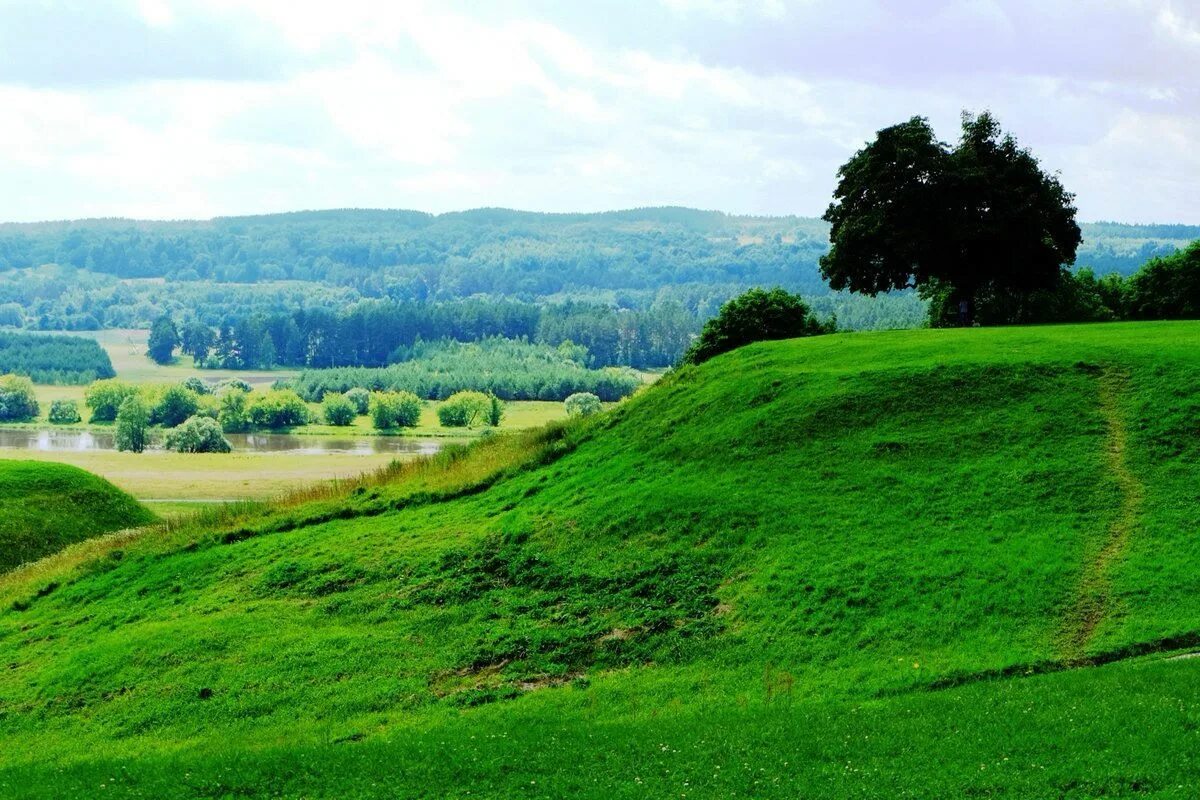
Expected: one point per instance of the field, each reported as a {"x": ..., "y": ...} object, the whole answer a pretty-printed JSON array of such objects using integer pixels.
[
  {"x": 173, "y": 483},
  {"x": 919, "y": 563}
]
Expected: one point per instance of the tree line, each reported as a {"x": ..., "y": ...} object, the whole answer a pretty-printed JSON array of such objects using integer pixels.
[{"x": 508, "y": 369}]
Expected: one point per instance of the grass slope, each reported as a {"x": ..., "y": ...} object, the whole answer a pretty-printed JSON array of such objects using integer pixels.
[
  {"x": 45, "y": 506},
  {"x": 848, "y": 566}
]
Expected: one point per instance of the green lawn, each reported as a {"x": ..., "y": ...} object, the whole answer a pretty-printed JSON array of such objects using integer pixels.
[
  {"x": 45, "y": 507},
  {"x": 859, "y": 565}
]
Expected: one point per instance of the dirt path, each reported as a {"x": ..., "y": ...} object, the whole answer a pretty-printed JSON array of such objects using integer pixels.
[{"x": 1093, "y": 598}]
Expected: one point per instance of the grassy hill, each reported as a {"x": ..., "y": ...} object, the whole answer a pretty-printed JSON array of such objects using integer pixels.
[
  {"x": 918, "y": 563},
  {"x": 46, "y": 506}
]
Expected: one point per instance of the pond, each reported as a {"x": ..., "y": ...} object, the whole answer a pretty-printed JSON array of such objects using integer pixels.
[{"x": 47, "y": 440}]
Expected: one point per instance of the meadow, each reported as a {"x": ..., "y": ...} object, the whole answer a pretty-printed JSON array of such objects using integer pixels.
[{"x": 920, "y": 563}]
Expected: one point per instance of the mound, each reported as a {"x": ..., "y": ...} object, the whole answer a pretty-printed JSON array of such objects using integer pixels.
[
  {"x": 46, "y": 506},
  {"x": 854, "y": 565}
]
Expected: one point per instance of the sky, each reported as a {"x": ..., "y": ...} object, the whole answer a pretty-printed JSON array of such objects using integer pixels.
[{"x": 196, "y": 108}]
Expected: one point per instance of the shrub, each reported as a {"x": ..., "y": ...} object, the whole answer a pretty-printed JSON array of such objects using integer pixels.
[
  {"x": 64, "y": 412},
  {"x": 338, "y": 410},
  {"x": 133, "y": 423},
  {"x": 104, "y": 398},
  {"x": 198, "y": 435},
  {"x": 234, "y": 411},
  {"x": 278, "y": 408},
  {"x": 197, "y": 386},
  {"x": 395, "y": 410},
  {"x": 465, "y": 410},
  {"x": 361, "y": 398},
  {"x": 756, "y": 316},
  {"x": 229, "y": 384},
  {"x": 582, "y": 404},
  {"x": 174, "y": 405},
  {"x": 17, "y": 401}
]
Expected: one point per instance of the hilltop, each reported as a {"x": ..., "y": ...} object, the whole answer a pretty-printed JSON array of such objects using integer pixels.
[
  {"x": 914, "y": 563},
  {"x": 46, "y": 506}
]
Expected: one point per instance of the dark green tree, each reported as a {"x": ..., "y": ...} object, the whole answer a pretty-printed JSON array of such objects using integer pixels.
[
  {"x": 758, "y": 315},
  {"x": 979, "y": 218},
  {"x": 164, "y": 338},
  {"x": 197, "y": 340}
]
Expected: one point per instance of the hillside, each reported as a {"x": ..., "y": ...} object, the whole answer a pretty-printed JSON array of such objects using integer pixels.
[
  {"x": 46, "y": 506},
  {"x": 914, "y": 563}
]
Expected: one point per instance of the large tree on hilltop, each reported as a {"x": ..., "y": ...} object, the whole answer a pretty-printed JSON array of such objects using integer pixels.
[{"x": 910, "y": 211}]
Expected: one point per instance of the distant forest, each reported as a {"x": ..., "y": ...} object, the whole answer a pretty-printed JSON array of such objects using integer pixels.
[
  {"x": 633, "y": 286},
  {"x": 53, "y": 359}
]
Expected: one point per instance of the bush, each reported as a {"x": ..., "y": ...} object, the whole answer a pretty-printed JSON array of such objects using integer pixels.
[
  {"x": 278, "y": 408},
  {"x": 173, "y": 406},
  {"x": 64, "y": 412},
  {"x": 198, "y": 435},
  {"x": 465, "y": 410},
  {"x": 755, "y": 316},
  {"x": 230, "y": 384},
  {"x": 197, "y": 386},
  {"x": 395, "y": 410},
  {"x": 582, "y": 404},
  {"x": 104, "y": 398},
  {"x": 234, "y": 411},
  {"x": 338, "y": 410},
  {"x": 361, "y": 398},
  {"x": 17, "y": 400},
  {"x": 133, "y": 424}
]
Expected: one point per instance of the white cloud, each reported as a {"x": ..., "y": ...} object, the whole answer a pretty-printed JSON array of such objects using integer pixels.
[{"x": 738, "y": 106}]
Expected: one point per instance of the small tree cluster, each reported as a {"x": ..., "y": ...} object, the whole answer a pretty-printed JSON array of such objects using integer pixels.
[
  {"x": 17, "y": 400},
  {"x": 759, "y": 315},
  {"x": 338, "y": 410},
  {"x": 394, "y": 410},
  {"x": 582, "y": 404},
  {"x": 104, "y": 398},
  {"x": 198, "y": 435},
  {"x": 278, "y": 408},
  {"x": 133, "y": 425},
  {"x": 468, "y": 409},
  {"x": 64, "y": 412}
]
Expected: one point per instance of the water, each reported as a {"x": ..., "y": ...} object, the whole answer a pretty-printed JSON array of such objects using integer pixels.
[{"x": 49, "y": 440}]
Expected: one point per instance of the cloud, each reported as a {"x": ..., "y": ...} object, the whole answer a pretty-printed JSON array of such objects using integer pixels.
[{"x": 171, "y": 108}]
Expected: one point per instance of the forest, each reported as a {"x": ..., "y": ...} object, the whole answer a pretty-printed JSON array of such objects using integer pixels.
[{"x": 53, "y": 359}]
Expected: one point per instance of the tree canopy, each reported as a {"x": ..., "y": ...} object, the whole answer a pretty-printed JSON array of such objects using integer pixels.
[{"x": 982, "y": 216}]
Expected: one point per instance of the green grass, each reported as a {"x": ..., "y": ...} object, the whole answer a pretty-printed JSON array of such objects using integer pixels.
[
  {"x": 858, "y": 565},
  {"x": 45, "y": 507}
]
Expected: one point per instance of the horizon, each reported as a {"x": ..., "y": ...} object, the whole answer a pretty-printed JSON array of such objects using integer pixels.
[{"x": 564, "y": 213}]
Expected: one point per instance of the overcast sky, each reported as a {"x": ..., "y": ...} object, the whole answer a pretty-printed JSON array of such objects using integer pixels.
[{"x": 195, "y": 108}]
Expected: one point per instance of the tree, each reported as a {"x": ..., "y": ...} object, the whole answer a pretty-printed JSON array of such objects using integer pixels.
[
  {"x": 133, "y": 425},
  {"x": 1167, "y": 288},
  {"x": 909, "y": 211},
  {"x": 173, "y": 406},
  {"x": 337, "y": 410},
  {"x": 582, "y": 404},
  {"x": 164, "y": 338},
  {"x": 465, "y": 410},
  {"x": 197, "y": 340},
  {"x": 198, "y": 435},
  {"x": 17, "y": 400},
  {"x": 495, "y": 411},
  {"x": 234, "y": 414},
  {"x": 104, "y": 398},
  {"x": 196, "y": 386},
  {"x": 395, "y": 410},
  {"x": 755, "y": 316},
  {"x": 64, "y": 412}
]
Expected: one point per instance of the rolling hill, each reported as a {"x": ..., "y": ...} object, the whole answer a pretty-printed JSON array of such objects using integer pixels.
[
  {"x": 915, "y": 563},
  {"x": 46, "y": 506}
]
